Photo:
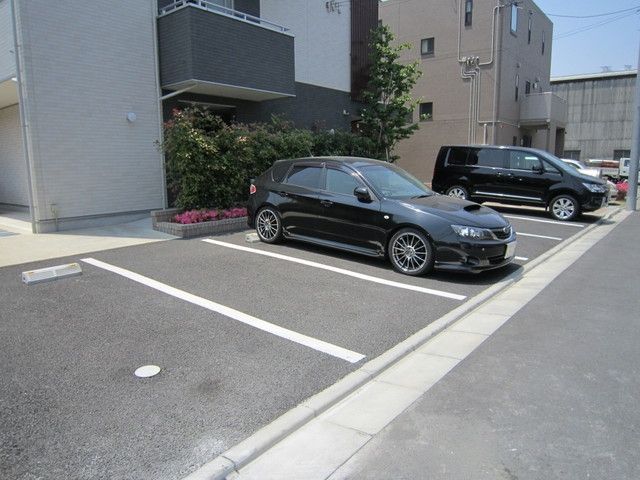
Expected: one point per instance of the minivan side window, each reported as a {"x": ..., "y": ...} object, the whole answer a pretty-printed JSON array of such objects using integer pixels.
[
  {"x": 524, "y": 161},
  {"x": 486, "y": 157},
  {"x": 550, "y": 168},
  {"x": 305, "y": 176},
  {"x": 457, "y": 156}
]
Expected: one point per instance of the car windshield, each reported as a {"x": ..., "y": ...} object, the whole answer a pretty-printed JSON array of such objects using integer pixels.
[
  {"x": 573, "y": 165},
  {"x": 393, "y": 182}
]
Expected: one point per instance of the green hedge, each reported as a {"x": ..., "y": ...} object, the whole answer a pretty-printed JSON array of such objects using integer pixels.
[{"x": 209, "y": 163}]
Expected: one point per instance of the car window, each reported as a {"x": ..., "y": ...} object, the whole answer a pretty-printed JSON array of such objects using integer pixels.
[
  {"x": 550, "y": 168},
  {"x": 305, "y": 176},
  {"x": 457, "y": 156},
  {"x": 394, "y": 182},
  {"x": 523, "y": 161},
  {"x": 486, "y": 157},
  {"x": 279, "y": 170},
  {"x": 340, "y": 182}
]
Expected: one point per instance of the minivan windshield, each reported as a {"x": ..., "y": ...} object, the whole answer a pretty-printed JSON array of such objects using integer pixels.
[{"x": 393, "y": 182}]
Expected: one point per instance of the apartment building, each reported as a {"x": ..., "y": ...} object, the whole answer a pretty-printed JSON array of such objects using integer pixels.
[
  {"x": 486, "y": 66},
  {"x": 84, "y": 90},
  {"x": 600, "y": 119}
]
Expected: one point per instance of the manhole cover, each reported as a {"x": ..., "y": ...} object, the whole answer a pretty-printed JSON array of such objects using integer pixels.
[{"x": 147, "y": 371}]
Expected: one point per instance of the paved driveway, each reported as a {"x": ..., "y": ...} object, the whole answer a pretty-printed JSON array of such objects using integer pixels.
[{"x": 243, "y": 332}]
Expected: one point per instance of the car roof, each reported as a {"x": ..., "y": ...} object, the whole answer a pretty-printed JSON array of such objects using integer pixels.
[
  {"x": 501, "y": 147},
  {"x": 352, "y": 161}
]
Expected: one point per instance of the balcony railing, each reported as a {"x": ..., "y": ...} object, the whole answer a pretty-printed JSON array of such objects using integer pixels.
[
  {"x": 222, "y": 10},
  {"x": 542, "y": 109}
]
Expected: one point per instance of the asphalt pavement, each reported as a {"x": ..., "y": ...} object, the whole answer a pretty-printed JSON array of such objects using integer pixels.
[
  {"x": 224, "y": 322},
  {"x": 551, "y": 394}
]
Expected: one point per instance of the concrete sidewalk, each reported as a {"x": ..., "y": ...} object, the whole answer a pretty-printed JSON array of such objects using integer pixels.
[
  {"x": 18, "y": 245},
  {"x": 509, "y": 391}
]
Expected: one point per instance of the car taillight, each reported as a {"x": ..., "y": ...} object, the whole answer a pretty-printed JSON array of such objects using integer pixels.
[{"x": 252, "y": 189}]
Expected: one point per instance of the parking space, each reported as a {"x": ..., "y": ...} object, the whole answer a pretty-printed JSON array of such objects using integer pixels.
[{"x": 242, "y": 331}]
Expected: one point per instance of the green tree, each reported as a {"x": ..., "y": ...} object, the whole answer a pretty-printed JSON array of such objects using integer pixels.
[{"x": 388, "y": 100}]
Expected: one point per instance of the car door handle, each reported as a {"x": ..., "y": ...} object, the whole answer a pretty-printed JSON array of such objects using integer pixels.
[
  {"x": 283, "y": 194},
  {"x": 326, "y": 203}
]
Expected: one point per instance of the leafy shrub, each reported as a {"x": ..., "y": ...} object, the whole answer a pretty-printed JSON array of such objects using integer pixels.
[{"x": 209, "y": 163}]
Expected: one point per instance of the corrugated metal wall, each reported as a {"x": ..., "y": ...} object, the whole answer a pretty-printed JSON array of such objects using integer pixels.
[{"x": 600, "y": 114}]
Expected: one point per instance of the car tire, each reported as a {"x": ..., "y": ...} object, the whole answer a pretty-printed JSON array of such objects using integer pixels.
[
  {"x": 564, "y": 208},
  {"x": 458, "y": 191},
  {"x": 410, "y": 252},
  {"x": 269, "y": 225}
]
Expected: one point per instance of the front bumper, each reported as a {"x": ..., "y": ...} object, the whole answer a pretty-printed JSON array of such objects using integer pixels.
[
  {"x": 594, "y": 201},
  {"x": 476, "y": 256}
]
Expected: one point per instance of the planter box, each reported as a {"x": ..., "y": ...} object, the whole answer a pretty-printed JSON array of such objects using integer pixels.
[{"x": 161, "y": 220}]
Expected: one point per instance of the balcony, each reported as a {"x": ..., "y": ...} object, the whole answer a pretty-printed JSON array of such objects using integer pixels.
[
  {"x": 542, "y": 109},
  {"x": 209, "y": 49}
]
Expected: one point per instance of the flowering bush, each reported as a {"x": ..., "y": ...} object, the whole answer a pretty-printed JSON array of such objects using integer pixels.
[
  {"x": 197, "y": 216},
  {"x": 623, "y": 188}
]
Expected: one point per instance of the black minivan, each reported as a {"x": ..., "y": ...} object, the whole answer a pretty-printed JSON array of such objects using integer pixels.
[{"x": 519, "y": 176}]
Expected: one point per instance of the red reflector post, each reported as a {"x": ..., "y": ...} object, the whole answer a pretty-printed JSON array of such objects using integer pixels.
[{"x": 252, "y": 189}]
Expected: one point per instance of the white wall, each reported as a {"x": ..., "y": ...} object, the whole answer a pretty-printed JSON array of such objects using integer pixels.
[
  {"x": 13, "y": 170},
  {"x": 84, "y": 69},
  {"x": 7, "y": 56},
  {"x": 322, "y": 40}
]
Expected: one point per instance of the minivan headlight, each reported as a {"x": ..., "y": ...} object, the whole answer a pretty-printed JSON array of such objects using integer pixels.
[
  {"x": 473, "y": 233},
  {"x": 595, "y": 187}
]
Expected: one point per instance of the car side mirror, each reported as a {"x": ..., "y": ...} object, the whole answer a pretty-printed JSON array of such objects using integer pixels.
[
  {"x": 362, "y": 194},
  {"x": 538, "y": 168}
]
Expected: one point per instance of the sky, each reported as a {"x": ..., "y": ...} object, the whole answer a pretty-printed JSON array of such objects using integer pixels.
[{"x": 586, "y": 45}]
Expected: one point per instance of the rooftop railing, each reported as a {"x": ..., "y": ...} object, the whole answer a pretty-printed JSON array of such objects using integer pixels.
[{"x": 222, "y": 10}]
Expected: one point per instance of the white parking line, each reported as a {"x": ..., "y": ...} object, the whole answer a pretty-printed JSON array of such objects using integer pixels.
[
  {"x": 520, "y": 234},
  {"x": 338, "y": 270},
  {"x": 522, "y": 259},
  {"x": 554, "y": 222},
  {"x": 296, "y": 337}
]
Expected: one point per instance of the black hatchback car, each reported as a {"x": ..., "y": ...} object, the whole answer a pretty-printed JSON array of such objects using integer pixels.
[
  {"x": 377, "y": 209},
  {"x": 519, "y": 176}
]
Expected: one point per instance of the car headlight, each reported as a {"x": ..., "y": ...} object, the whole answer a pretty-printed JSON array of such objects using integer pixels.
[
  {"x": 595, "y": 187},
  {"x": 473, "y": 233}
]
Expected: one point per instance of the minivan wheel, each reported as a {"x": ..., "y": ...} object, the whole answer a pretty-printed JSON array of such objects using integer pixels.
[
  {"x": 269, "y": 225},
  {"x": 564, "y": 208},
  {"x": 410, "y": 252},
  {"x": 458, "y": 191}
]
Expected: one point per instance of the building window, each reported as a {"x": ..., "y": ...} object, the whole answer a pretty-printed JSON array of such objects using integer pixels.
[
  {"x": 527, "y": 88},
  {"x": 514, "y": 18},
  {"x": 427, "y": 46},
  {"x": 618, "y": 154},
  {"x": 517, "y": 86},
  {"x": 529, "y": 34},
  {"x": 514, "y": 141},
  {"x": 426, "y": 111},
  {"x": 571, "y": 154},
  {"x": 468, "y": 13},
  {"x": 543, "y": 41}
]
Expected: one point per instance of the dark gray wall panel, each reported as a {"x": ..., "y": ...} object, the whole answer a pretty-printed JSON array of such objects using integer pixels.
[
  {"x": 197, "y": 44},
  {"x": 252, "y": 7},
  {"x": 313, "y": 107}
]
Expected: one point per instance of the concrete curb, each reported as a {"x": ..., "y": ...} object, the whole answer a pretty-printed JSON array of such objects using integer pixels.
[{"x": 246, "y": 451}]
